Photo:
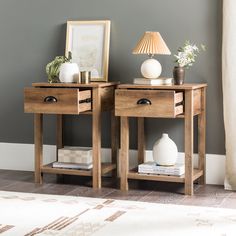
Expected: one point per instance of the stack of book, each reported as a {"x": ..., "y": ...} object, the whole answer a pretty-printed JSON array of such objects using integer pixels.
[
  {"x": 158, "y": 81},
  {"x": 75, "y": 166},
  {"x": 74, "y": 158},
  {"x": 152, "y": 168}
]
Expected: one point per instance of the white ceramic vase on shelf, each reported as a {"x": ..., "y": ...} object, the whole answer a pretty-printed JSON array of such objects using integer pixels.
[
  {"x": 165, "y": 151},
  {"x": 69, "y": 72}
]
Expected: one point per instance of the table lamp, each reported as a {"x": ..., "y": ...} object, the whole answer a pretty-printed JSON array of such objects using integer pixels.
[{"x": 151, "y": 43}]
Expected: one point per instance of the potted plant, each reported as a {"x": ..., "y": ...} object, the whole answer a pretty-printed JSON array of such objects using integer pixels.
[
  {"x": 61, "y": 69},
  {"x": 185, "y": 58}
]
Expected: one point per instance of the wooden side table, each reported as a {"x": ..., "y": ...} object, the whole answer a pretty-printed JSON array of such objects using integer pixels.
[
  {"x": 62, "y": 98},
  {"x": 177, "y": 101}
]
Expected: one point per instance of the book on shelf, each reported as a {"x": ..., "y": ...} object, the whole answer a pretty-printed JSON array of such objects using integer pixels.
[
  {"x": 76, "y": 166},
  {"x": 158, "y": 81},
  {"x": 75, "y": 155},
  {"x": 152, "y": 168}
]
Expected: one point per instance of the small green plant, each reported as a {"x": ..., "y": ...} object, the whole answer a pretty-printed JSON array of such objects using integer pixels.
[
  {"x": 187, "y": 54},
  {"x": 53, "y": 67}
]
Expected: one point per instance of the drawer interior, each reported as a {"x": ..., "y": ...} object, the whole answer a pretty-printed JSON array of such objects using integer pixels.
[
  {"x": 179, "y": 97},
  {"x": 179, "y": 103}
]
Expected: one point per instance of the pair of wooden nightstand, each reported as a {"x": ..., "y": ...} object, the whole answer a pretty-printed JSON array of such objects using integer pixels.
[
  {"x": 79, "y": 99},
  {"x": 177, "y": 101}
]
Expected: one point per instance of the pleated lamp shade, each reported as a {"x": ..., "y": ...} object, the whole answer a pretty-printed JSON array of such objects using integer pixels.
[{"x": 151, "y": 43}]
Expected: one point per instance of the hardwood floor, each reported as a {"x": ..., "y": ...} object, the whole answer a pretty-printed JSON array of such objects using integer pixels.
[{"x": 146, "y": 191}]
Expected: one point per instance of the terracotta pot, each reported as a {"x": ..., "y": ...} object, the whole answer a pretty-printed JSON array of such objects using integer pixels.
[{"x": 178, "y": 75}]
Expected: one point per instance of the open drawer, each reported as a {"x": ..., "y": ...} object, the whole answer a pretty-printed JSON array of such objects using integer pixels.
[
  {"x": 148, "y": 103},
  {"x": 56, "y": 100}
]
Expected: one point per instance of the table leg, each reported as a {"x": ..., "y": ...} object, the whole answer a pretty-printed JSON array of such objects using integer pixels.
[
  {"x": 114, "y": 141},
  {"x": 188, "y": 142},
  {"x": 38, "y": 149},
  {"x": 202, "y": 136},
  {"x": 141, "y": 140},
  {"x": 59, "y": 131},
  {"x": 96, "y": 140},
  {"x": 124, "y": 155},
  {"x": 59, "y": 140}
]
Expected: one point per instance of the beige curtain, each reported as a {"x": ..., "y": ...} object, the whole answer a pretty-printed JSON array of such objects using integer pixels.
[{"x": 229, "y": 89}]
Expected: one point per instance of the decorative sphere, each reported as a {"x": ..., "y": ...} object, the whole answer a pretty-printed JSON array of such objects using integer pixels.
[{"x": 151, "y": 69}]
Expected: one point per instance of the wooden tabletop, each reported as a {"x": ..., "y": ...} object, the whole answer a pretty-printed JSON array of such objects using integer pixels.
[
  {"x": 170, "y": 87},
  {"x": 75, "y": 85}
]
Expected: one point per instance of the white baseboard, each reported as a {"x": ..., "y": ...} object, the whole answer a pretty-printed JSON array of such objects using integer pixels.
[{"x": 15, "y": 156}]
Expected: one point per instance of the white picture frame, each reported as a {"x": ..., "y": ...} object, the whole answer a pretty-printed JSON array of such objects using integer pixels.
[{"x": 89, "y": 41}]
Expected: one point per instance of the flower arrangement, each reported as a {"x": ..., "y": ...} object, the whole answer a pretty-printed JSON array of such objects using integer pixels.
[{"x": 187, "y": 54}]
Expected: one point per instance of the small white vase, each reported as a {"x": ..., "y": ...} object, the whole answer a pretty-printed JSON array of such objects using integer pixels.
[
  {"x": 165, "y": 151},
  {"x": 69, "y": 72}
]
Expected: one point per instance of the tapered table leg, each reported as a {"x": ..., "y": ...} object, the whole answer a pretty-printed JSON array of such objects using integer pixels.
[
  {"x": 114, "y": 141},
  {"x": 141, "y": 140},
  {"x": 59, "y": 131},
  {"x": 124, "y": 155},
  {"x": 202, "y": 137},
  {"x": 188, "y": 142},
  {"x": 59, "y": 140},
  {"x": 96, "y": 139},
  {"x": 38, "y": 149}
]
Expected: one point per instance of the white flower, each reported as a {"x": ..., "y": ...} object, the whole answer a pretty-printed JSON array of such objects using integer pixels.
[
  {"x": 195, "y": 48},
  {"x": 188, "y": 49},
  {"x": 186, "y": 54}
]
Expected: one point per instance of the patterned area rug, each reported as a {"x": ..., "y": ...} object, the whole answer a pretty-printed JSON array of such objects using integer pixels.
[{"x": 37, "y": 214}]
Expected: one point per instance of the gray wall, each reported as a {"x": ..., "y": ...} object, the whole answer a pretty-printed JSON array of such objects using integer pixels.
[{"x": 32, "y": 32}]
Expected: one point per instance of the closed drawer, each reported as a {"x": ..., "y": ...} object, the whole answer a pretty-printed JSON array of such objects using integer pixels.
[
  {"x": 148, "y": 103},
  {"x": 56, "y": 100}
]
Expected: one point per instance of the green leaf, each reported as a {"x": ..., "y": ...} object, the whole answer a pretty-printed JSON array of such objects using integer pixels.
[
  {"x": 203, "y": 47},
  {"x": 53, "y": 68}
]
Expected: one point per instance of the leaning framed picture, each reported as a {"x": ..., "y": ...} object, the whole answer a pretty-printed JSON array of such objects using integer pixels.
[{"x": 89, "y": 41}]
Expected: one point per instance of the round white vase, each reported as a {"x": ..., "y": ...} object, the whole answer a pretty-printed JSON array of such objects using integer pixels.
[
  {"x": 165, "y": 151},
  {"x": 69, "y": 72},
  {"x": 151, "y": 68}
]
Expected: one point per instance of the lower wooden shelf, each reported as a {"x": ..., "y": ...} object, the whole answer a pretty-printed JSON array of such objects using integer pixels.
[
  {"x": 133, "y": 174},
  {"x": 105, "y": 168}
]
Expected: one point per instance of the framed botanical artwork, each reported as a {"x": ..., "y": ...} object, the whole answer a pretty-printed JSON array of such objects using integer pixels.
[{"x": 89, "y": 41}]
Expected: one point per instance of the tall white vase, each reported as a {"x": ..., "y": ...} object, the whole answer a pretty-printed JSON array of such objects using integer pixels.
[
  {"x": 69, "y": 72},
  {"x": 165, "y": 151}
]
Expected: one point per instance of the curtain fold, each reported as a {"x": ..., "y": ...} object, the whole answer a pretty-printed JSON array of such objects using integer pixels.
[{"x": 229, "y": 89}]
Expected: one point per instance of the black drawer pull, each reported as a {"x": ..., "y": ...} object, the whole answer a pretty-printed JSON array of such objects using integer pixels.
[
  {"x": 50, "y": 99},
  {"x": 87, "y": 100},
  {"x": 144, "y": 101}
]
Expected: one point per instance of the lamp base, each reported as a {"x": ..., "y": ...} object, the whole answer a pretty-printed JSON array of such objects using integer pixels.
[{"x": 151, "y": 68}]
